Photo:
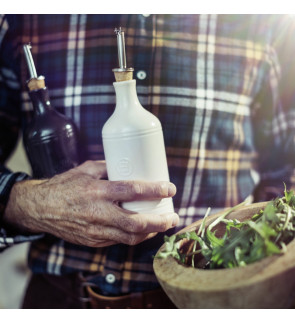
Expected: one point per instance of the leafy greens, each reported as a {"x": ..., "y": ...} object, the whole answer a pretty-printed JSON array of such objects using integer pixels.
[{"x": 243, "y": 242}]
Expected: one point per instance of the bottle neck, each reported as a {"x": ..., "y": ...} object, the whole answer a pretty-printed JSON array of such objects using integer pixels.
[
  {"x": 126, "y": 95},
  {"x": 40, "y": 100}
]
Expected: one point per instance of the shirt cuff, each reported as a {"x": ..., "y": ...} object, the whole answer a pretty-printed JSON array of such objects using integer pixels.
[{"x": 10, "y": 237}]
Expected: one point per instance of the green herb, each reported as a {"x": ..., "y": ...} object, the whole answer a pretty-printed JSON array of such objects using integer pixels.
[{"x": 266, "y": 233}]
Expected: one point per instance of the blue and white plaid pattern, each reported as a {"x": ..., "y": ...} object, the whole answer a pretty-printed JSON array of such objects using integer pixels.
[{"x": 222, "y": 86}]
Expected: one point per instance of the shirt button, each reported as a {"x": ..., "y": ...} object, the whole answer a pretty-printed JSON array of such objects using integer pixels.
[
  {"x": 110, "y": 278},
  {"x": 141, "y": 75}
]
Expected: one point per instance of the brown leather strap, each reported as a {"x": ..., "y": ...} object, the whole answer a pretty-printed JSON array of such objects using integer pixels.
[{"x": 149, "y": 299}]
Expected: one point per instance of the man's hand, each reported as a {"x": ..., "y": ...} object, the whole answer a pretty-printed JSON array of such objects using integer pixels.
[{"x": 79, "y": 207}]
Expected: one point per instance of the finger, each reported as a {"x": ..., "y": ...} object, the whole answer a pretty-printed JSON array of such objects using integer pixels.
[
  {"x": 82, "y": 235},
  {"x": 138, "y": 190},
  {"x": 99, "y": 235},
  {"x": 97, "y": 169},
  {"x": 94, "y": 243},
  {"x": 145, "y": 223},
  {"x": 130, "y": 239}
]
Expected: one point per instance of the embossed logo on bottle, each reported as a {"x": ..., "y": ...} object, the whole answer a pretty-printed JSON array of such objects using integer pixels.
[{"x": 124, "y": 167}]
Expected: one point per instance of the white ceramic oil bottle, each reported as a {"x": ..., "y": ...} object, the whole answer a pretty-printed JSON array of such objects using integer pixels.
[{"x": 133, "y": 140}]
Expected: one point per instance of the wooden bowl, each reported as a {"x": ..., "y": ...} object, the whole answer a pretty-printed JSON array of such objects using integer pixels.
[{"x": 268, "y": 283}]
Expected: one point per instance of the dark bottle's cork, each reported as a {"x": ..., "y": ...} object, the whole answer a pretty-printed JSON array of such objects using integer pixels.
[{"x": 36, "y": 83}]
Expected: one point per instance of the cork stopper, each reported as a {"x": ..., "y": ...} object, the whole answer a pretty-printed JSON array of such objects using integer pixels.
[{"x": 36, "y": 83}]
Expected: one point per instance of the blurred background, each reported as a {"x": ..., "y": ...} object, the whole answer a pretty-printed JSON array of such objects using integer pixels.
[{"x": 14, "y": 273}]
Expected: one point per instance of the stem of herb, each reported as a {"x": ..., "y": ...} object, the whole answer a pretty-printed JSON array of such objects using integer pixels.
[
  {"x": 203, "y": 222},
  {"x": 221, "y": 217}
]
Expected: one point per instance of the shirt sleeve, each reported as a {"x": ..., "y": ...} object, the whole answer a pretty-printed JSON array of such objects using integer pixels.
[
  {"x": 10, "y": 119},
  {"x": 274, "y": 114}
]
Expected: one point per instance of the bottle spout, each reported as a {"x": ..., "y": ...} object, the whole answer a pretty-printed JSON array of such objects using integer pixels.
[
  {"x": 30, "y": 61},
  {"x": 122, "y": 73},
  {"x": 35, "y": 82}
]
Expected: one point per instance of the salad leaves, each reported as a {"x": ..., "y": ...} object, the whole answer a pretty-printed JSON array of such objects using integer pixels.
[{"x": 265, "y": 233}]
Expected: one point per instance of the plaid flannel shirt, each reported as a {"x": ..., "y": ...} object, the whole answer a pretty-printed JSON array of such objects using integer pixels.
[{"x": 223, "y": 88}]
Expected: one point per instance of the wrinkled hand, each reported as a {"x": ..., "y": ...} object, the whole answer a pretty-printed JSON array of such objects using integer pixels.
[{"x": 79, "y": 207}]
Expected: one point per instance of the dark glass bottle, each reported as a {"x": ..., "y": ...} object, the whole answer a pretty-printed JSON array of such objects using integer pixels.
[{"x": 51, "y": 139}]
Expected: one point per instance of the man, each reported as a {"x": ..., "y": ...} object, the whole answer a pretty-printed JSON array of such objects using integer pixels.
[{"x": 223, "y": 88}]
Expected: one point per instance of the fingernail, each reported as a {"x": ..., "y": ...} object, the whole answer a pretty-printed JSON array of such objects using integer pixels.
[
  {"x": 175, "y": 219},
  {"x": 171, "y": 189}
]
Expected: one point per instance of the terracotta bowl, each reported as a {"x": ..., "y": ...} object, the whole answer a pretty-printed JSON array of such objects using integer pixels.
[{"x": 269, "y": 283}]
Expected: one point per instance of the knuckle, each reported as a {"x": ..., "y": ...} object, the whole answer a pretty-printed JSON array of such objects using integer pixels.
[
  {"x": 85, "y": 165},
  {"x": 165, "y": 189},
  {"x": 116, "y": 188},
  {"x": 163, "y": 223},
  {"x": 88, "y": 163},
  {"x": 131, "y": 189},
  {"x": 160, "y": 189},
  {"x": 136, "y": 189},
  {"x": 133, "y": 239},
  {"x": 92, "y": 232},
  {"x": 156, "y": 190},
  {"x": 91, "y": 214},
  {"x": 91, "y": 243},
  {"x": 138, "y": 225},
  {"x": 126, "y": 224},
  {"x": 134, "y": 224}
]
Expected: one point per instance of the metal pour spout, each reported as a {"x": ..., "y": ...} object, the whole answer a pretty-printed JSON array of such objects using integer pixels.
[
  {"x": 121, "y": 52},
  {"x": 30, "y": 61},
  {"x": 35, "y": 82},
  {"x": 121, "y": 48}
]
